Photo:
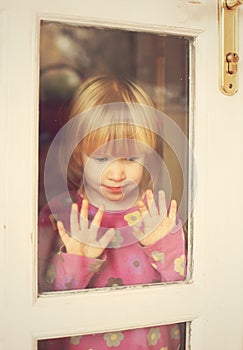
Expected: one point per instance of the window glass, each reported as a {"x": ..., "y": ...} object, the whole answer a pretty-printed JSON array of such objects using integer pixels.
[
  {"x": 167, "y": 337},
  {"x": 114, "y": 126}
]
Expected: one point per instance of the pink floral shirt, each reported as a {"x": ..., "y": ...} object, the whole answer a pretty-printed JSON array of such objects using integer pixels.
[{"x": 124, "y": 262}]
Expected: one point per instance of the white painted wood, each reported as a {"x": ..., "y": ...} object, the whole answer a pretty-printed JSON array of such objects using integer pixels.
[{"x": 213, "y": 301}]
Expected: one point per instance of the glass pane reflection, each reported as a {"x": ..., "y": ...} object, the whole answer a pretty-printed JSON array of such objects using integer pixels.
[
  {"x": 160, "y": 66},
  {"x": 167, "y": 337}
]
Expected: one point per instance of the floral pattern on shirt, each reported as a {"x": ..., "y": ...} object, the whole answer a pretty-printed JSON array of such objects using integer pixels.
[
  {"x": 135, "y": 265},
  {"x": 113, "y": 339},
  {"x": 158, "y": 256},
  {"x": 133, "y": 218},
  {"x": 175, "y": 332},
  {"x": 114, "y": 282},
  {"x": 75, "y": 340},
  {"x": 179, "y": 265},
  {"x": 153, "y": 336}
]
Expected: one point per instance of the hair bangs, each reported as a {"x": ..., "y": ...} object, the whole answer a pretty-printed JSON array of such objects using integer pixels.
[{"x": 119, "y": 140}]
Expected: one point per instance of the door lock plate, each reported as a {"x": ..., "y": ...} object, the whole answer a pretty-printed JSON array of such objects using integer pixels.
[{"x": 228, "y": 46}]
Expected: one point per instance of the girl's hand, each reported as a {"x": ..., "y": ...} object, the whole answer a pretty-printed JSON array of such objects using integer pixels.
[
  {"x": 157, "y": 222},
  {"x": 87, "y": 245}
]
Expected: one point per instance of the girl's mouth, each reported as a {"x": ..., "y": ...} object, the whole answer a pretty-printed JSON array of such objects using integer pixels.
[{"x": 117, "y": 189}]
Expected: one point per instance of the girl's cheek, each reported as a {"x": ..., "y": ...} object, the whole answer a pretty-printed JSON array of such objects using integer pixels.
[
  {"x": 136, "y": 173},
  {"x": 96, "y": 174},
  {"x": 92, "y": 167}
]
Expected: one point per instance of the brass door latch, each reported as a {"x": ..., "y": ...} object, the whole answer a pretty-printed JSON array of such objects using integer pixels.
[{"x": 228, "y": 45}]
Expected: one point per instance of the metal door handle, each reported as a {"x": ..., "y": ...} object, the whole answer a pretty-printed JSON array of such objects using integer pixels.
[
  {"x": 232, "y": 4},
  {"x": 228, "y": 45}
]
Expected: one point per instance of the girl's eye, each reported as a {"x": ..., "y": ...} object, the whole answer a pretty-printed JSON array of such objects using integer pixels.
[
  {"x": 132, "y": 159},
  {"x": 101, "y": 159}
]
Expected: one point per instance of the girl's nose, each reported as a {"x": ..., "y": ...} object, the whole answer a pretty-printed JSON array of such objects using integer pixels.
[{"x": 116, "y": 171}]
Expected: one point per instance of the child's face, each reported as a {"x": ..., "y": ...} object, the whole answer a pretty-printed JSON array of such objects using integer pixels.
[{"x": 112, "y": 180}]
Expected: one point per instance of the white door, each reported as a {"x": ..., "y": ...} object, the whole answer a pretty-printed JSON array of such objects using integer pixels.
[{"x": 212, "y": 300}]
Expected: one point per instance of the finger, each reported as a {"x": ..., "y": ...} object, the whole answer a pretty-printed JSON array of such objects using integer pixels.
[
  {"x": 162, "y": 204},
  {"x": 151, "y": 203},
  {"x": 142, "y": 208},
  {"x": 84, "y": 209},
  {"x": 98, "y": 216},
  {"x": 62, "y": 233},
  {"x": 106, "y": 238},
  {"x": 173, "y": 210},
  {"x": 83, "y": 217},
  {"x": 95, "y": 224},
  {"x": 74, "y": 225}
]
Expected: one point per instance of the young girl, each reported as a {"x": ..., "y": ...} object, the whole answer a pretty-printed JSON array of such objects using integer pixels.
[{"x": 111, "y": 229}]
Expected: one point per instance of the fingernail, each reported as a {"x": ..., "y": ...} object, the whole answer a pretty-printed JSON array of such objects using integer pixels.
[{"x": 149, "y": 192}]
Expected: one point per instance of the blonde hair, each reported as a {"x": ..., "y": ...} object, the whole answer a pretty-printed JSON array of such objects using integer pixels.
[
  {"x": 99, "y": 96},
  {"x": 97, "y": 91}
]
